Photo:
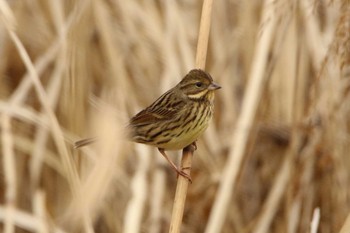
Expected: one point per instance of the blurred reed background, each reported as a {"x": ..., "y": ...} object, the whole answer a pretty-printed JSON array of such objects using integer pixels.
[{"x": 101, "y": 61}]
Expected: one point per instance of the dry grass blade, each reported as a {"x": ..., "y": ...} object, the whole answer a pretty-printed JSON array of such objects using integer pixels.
[
  {"x": 9, "y": 172},
  {"x": 276, "y": 149},
  {"x": 139, "y": 188},
  {"x": 346, "y": 227},
  {"x": 245, "y": 121},
  {"x": 57, "y": 132},
  {"x": 315, "y": 221},
  {"x": 27, "y": 221}
]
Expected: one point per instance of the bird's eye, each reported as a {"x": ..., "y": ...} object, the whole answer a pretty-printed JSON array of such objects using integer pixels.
[{"x": 199, "y": 84}]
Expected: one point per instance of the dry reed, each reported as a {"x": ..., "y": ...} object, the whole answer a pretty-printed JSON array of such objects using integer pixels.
[{"x": 275, "y": 158}]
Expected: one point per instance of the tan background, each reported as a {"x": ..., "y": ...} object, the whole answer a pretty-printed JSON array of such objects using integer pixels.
[{"x": 99, "y": 62}]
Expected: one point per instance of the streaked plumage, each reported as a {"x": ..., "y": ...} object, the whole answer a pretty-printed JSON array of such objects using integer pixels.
[{"x": 177, "y": 118}]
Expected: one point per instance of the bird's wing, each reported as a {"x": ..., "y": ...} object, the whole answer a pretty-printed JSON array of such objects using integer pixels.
[
  {"x": 149, "y": 116},
  {"x": 158, "y": 111}
]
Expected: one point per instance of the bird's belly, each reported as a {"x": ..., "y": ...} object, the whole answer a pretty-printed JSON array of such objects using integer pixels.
[{"x": 178, "y": 143}]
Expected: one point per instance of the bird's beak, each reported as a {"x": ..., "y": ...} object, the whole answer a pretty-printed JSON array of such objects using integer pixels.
[{"x": 213, "y": 86}]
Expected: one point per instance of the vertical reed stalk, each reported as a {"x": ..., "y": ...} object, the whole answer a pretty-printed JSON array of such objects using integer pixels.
[{"x": 187, "y": 154}]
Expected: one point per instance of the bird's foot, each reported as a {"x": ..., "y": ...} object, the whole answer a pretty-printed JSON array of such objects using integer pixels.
[
  {"x": 180, "y": 172},
  {"x": 194, "y": 144}
]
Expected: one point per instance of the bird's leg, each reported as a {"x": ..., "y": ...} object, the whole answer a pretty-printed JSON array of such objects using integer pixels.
[{"x": 178, "y": 171}]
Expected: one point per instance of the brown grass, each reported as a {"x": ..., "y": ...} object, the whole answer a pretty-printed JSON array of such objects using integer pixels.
[{"x": 275, "y": 158}]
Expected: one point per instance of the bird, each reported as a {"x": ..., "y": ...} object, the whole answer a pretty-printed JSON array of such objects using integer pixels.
[{"x": 176, "y": 119}]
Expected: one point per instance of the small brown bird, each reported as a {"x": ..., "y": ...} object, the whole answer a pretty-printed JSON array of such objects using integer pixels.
[{"x": 177, "y": 118}]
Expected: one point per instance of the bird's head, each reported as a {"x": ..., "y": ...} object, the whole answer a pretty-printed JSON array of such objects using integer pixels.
[{"x": 197, "y": 84}]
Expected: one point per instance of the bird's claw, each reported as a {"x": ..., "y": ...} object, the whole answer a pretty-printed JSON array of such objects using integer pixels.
[
  {"x": 194, "y": 144},
  {"x": 184, "y": 174}
]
